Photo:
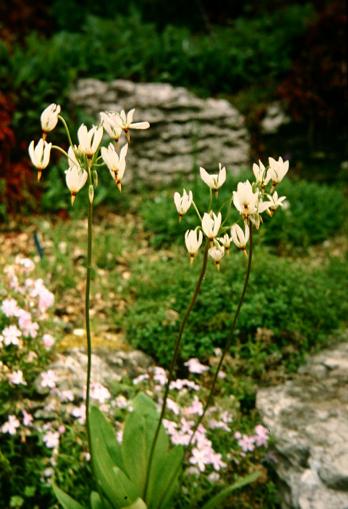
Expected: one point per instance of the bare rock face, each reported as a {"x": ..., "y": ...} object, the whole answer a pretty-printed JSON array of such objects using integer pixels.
[
  {"x": 308, "y": 418},
  {"x": 185, "y": 129}
]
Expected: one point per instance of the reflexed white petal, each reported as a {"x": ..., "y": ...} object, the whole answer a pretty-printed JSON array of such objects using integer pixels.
[{"x": 139, "y": 125}]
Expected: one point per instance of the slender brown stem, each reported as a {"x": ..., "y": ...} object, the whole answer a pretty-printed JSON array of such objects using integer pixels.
[
  {"x": 173, "y": 362},
  {"x": 227, "y": 345}
]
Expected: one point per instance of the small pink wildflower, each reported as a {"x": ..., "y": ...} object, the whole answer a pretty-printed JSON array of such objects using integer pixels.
[
  {"x": 27, "y": 418},
  {"x": 261, "y": 435},
  {"x": 173, "y": 407},
  {"x": 99, "y": 392},
  {"x": 246, "y": 443},
  {"x": 11, "y": 335},
  {"x": 29, "y": 328},
  {"x": 79, "y": 413},
  {"x": 9, "y": 307},
  {"x": 11, "y": 425},
  {"x": 196, "y": 407},
  {"x": 194, "y": 366},
  {"x": 160, "y": 375},
  {"x": 215, "y": 424},
  {"x": 51, "y": 439},
  {"x": 47, "y": 341},
  {"x": 48, "y": 379},
  {"x": 67, "y": 395},
  {"x": 180, "y": 384},
  {"x": 141, "y": 378},
  {"x": 121, "y": 402}
]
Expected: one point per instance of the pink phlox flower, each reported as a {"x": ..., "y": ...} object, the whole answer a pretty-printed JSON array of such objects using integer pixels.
[
  {"x": 46, "y": 298},
  {"x": 27, "y": 418},
  {"x": 51, "y": 439},
  {"x": 141, "y": 378},
  {"x": 67, "y": 395},
  {"x": 16, "y": 378},
  {"x": 196, "y": 407},
  {"x": 121, "y": 402},
  {"x": 79, "y": 413},
  {"x": 261, "y": 435},
  {"x": 173, "y": 407},
  {"x": 48, "y": 379},
  {"x": 160, "y": 375},
  {"x": 11, "y": 335},
  {"x": 170, "y": 426},
  {"x": 47, "y": 341},
  {"x": 215, "y": 424},
  {"x": 200, "y": 457},
  {"x": 99, "y": 392},
  {"x": 194, "y": 366},
  {"x": 11, "y": 425},
  {"x": 9, "y": 307},
  {"x": 29, "y": 328},
  {"x": 246, "y": 443}
]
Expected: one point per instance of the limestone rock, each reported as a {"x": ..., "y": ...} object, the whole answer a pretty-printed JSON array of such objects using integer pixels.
[
  {"x": 185, "y": 129},
  {"x": 308, "y": 418}
]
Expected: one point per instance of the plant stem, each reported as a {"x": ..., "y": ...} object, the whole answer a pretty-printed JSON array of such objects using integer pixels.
[
  {"x": 87, "y": 315},
  {"x": 173, "y": 362},
  {"x": 227, "y": 345}
]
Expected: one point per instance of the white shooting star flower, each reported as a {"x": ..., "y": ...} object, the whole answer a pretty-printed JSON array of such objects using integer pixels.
[
  {"x": 125, "y": 122},
  {"x": 109, "y": 121},
  {"x": 211, "y": 224},
  {"x": 193, "y": 241},
  {"x": 259, "y": 171},
  {"x": 89, "y": 140},
  {"x": 216, "y": 253},
  {"x": 225, "y": 241},
  {"x": 216, "y": 180},
  {"x": 240, "y": 238},
  {"x": 275, "y": 202},
  {"x": 277, "y": 170},
  {"x": 183, "y": 203},
  {"x": 116, "y": 163},
  {"x": 245, "y": 200},
  {"x": 40, "y": 155},
  {"x": 49, "y": 118},
  {"x": 75, "y": 178}
]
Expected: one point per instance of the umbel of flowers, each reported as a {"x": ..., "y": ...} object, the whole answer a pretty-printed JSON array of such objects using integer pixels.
[{"x": 143, "y": 471}]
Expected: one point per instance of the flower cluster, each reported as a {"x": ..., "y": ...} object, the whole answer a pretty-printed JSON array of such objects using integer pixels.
[
  {"x": 84, "y": 159},
  {"x": 250, "y": 199}
]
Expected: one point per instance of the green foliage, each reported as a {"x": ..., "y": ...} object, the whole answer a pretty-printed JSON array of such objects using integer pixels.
[
  {"x": 300, "y": 305},
  {"x": 292, "y": 227}
]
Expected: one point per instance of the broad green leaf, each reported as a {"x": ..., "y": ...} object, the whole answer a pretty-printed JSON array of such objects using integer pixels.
[
  {"x": 138, "y": 504},
  {"x": 138, "y": 434},
  {"x": 100, "y": 426},
  {"x": 163, "y": 482},
  {"x": 65, "y": 499},
  {"x": 240, "y": 483},
  {"x": 96, "y": 501},
  {"x": 111, "y": 480}
]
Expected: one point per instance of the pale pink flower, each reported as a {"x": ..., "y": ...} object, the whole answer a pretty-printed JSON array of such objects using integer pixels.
[
  {"x": 51, "y": 439},
  {"x": 9, "y": 307},
  {"x": 16, "y": 378},
  {"x": 48, "y": 341},
  {"x": 160, "y": 375},
  {"x": 170, "y": 426},
  {"x": 99, "y": 392},
  {"x": 246, "y": 442},
  {"x": 121, "y": 402},
  {"x": 48, "y": 379},
  {"x": 27, "y": 418},
  {"x": 215, "y": 424},
  {"x": 11, "y": 335},
  {"x": 261, "y": 435},
  {"x": 141, "y": 378},
  {"x": 196, "y": 407},
  {"x": 11, "y": 425},
  {"x": 173, "y": 407},
  {"x": 180, "y": 384},
  {"x": 79, "y": 413},
  {"x": 194, "y": 366},
  {"x": 67, "y": 395}
]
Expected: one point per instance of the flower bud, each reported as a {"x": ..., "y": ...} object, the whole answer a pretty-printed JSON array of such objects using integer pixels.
[
  {"x": 91, "y": 193},
  {"x": 49, "y": 117}
]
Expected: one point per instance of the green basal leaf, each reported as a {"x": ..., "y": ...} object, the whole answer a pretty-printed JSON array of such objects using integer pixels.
[
  {"x": 96, "y": 501},
  {"x": 215, "y": 502},
  {"x": 138, "y": 434},
  {"x": 138, "y": 504},
  {"x": 65, "y": 500},
  {"x": 164, "y": 481},
  {"x": 99, "y": 425}
]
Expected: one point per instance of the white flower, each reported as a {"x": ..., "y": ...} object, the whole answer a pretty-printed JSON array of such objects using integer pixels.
[
  {"x": 48, "y": 379},
  {"x": 193, "y": 241},
  {"x": 245, "y": 200},
  {"x": 40, "y": 155},
  {"x": 216, "y": 180},
  {"x": 259, "y": 172},
  {"x": 75, "y": 178},
  {"x": 109, "y": 121},
  {"x": 89, "y": 140},
  {"x": 16, "y": 378},
  {"x": 49, "y": 117},
  {"x": 277, "y": 170},
  {"x": 51, "y": 439},
  {"x": 125, "y": 122},
  {"x": 276, "y": 201},
  {"x": 183, "y": 203},
  {"x": 194, "y": 366},
  {"x": 116, "y": 163},
  {"x": 240, "y": 238},
  {"x": 11, "y": 425},
  {"x": 216, "y": 253},
  {"x": 211, "y": 224},
  {"x": 225, "y": 241}
]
